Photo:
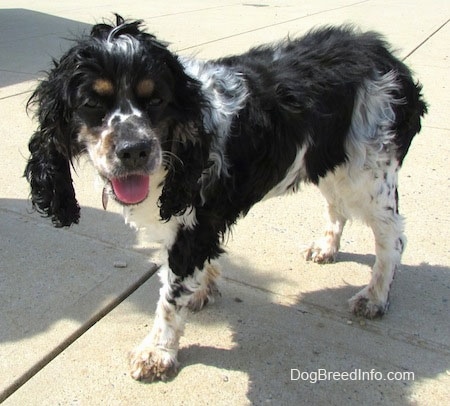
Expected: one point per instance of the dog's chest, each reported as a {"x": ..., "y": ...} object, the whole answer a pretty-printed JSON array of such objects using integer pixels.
[{"x": 146, "y": 218}]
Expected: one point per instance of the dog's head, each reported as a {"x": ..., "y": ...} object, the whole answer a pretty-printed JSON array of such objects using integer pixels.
[{"x": 123, "y": 98}]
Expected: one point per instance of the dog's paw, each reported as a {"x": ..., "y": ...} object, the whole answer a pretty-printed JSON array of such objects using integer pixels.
[
  {"x": 363, "y": 305},
  {"x": 320, "y": 252},
  {"x": 209, "y": 290},
  {"x": 202, "y": 297},
  {"x": 152, "y": 364}
]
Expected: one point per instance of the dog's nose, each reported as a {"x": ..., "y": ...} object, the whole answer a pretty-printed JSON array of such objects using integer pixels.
[{"x": 134, "y": 154}]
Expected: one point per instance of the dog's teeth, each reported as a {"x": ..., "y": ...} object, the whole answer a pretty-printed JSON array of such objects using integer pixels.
[{"x": 105, "y": 198}]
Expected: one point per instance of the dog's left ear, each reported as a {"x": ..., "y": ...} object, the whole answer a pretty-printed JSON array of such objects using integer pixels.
[
  {"x": 188, "y": 143},
  {"x": 52, "y": 147},
  {"x": 188, "y": 157}
]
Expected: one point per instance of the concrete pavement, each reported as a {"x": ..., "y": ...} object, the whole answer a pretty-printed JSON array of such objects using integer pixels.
[{"x": 69, "y": 314}]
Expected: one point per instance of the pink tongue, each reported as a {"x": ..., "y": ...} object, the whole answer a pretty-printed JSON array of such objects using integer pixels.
[{"x": 131, "y": 189}]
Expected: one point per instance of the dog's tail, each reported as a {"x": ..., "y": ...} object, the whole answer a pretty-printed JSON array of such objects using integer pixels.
[{"x": 408, "y": 115}]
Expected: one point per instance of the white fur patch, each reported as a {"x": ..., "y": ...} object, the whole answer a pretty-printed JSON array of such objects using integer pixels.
[
  {"x": 119, "y": 114},
  {"x": 226, "y": 92},
  {"x": 122, "y": 43},
  {"x": 189, "y": 218},
  {"x": 373, "y": 116},
  {"x": 294, "y": 175},
  {"x": 146, "y": 218}
]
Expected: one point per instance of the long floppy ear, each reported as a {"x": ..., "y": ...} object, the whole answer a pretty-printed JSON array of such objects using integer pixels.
[
  {"x": 187, "y": 144},
  {"x": 187, "y": 160},
  {"x": 52, "y": 147}
]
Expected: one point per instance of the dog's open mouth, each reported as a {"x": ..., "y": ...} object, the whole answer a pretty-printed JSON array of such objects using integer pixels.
[{"x": 131, "y": 189}]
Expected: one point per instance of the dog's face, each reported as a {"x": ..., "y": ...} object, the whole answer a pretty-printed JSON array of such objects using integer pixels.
[
  {"x": 123, "y": 118},
  {"x": 123, "y": 98},
  {"x": 124, "y": 102}
]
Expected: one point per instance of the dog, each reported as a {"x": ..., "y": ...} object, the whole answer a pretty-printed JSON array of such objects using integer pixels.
[{"x": 188, "y": 146}]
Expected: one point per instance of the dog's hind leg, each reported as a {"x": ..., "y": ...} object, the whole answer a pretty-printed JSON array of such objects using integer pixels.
[
  {"x": 156, "y": 357},
  {"x": 325, "y": 249},
  {"x": 387, "y": 226},
  {"x": 373, "y": 300}
]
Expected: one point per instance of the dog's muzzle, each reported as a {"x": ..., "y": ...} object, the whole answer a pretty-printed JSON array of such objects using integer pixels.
[{"x": 137, "y": 156}]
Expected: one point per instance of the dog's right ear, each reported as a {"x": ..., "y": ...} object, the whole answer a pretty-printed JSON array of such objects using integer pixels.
[
  {"x": 52, "y": 147},
  {"x": 48, "y": 173}
]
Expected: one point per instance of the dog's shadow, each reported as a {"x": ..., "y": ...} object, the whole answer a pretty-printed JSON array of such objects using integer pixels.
[
  {"x": 302, "y": 337},
  {"x": 49, "y": 273},
  {"x": 252, "y": 335}
]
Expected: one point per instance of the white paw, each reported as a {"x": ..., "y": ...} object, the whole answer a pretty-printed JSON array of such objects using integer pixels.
[
  {"x": 366, "y": 305},
  {"x": 208, "y": 290},
  {"x": 321, "y": 252},
  {"x": 202, "y": 297},
  {"x": 150, "y": 364}
]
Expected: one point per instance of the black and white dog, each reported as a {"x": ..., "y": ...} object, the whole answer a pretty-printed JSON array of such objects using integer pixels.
[{"x": 188, "y": 146}]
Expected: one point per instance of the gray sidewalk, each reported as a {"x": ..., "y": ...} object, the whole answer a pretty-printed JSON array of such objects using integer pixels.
[{"x": 69, "y": 314}]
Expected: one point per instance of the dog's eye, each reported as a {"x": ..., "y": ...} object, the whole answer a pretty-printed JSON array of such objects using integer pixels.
[
  {"x": 154, "y": 102},
  {"x": 93, "y": 104}
]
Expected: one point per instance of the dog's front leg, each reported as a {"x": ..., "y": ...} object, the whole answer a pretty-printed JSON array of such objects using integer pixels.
[{"x": 156, "y": 357}]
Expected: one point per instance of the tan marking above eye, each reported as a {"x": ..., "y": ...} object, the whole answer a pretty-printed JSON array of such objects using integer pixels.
[
  {"x": 145, "y": 88},
  {"x": 103, "y": 87}
]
